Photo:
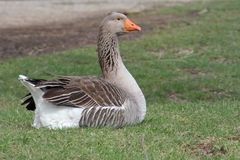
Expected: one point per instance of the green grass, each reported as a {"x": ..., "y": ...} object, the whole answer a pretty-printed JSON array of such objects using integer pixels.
[{"x": 188, "y": 71}]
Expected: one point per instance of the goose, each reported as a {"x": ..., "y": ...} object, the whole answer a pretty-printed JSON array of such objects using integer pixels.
[{"x": 113, "y": 100}]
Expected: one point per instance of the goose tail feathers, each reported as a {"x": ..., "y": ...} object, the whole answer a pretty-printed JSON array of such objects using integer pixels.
[
  {"x": 22, "y": 77},
  {"x": 35, "y": 93}
]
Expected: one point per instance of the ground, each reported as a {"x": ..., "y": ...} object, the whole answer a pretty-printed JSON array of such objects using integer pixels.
[
  {"x": 60, "y": 25},
  {"x": 188, "y": 69}
]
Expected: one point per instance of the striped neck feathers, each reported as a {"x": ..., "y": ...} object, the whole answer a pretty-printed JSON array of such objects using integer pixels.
[{"x": 108, "y": 51}]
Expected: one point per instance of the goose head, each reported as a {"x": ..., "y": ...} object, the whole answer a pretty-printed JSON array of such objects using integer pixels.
[{"x": 118, "y": 23}]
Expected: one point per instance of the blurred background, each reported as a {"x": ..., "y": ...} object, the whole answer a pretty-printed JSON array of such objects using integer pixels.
[
  {"x": 32, "y": 27},
  {"x": 16, "y": 13}
]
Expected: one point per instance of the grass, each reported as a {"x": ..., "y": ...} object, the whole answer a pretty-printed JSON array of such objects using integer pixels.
[{"x": 189, "y": 72}]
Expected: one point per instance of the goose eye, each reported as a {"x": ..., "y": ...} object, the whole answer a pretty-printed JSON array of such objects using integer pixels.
[{"x": 118, "y": 19}]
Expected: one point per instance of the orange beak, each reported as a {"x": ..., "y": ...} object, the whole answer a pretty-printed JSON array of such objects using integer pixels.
[{"x": 130, "y": 26}]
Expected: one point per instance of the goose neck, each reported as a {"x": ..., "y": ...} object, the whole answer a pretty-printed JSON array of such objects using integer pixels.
[
  {"x": 114, "y": 70},
  {"x": 108, "y": 52}
]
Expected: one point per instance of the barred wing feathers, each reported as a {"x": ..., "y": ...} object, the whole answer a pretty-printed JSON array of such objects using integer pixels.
[{"x": 84, "y": 92}]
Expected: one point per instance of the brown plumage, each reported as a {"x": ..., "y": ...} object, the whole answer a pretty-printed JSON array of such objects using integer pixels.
[
  {"x": 114, "y": 99},
  {"x": 81, "y": 92}
]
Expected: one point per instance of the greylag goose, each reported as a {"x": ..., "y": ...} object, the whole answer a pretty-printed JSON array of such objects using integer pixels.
[{"x": 113, "y": 100}]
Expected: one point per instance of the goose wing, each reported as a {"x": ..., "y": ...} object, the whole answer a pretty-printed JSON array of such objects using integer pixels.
[{"x": 81, "y": 92}]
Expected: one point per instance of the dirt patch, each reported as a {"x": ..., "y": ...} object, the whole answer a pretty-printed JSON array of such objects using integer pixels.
[
  {"x": 45, "y": 39},
  {"x": 217, "y": 92},
  {"x": 37, "y": 40},
  {"x": 55, "y": 37},
  {"x": 207, "y": 147},
  {"x": 234, "y": 138},
  {"x": 194, "y": 71},
  {"x": 176, "y": 97}
]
